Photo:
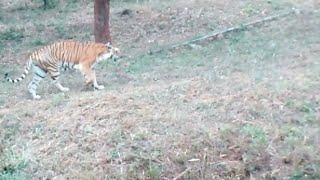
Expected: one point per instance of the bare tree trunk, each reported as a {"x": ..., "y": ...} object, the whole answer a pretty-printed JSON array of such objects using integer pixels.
[{"x": 101, "y": 21}]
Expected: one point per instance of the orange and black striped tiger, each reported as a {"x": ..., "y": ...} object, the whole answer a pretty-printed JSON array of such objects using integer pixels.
[{"x": 67, "y": 55}]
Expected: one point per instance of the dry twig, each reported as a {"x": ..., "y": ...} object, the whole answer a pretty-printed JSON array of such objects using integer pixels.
[{"x": 181, "y": 174}]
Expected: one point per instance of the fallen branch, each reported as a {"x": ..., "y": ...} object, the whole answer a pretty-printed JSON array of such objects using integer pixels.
[{"x": 223, "y": 32}]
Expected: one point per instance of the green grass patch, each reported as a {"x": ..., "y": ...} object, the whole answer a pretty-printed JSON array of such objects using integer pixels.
[
  {"x": 60, "y": 99},
  {"x": 38, "y": 42},
  {"x": 154, "y": 170},
  {"x": 11, "y": 35},
  {"x": 257, "y": 134},
  {"x": 12, "y": 166}
]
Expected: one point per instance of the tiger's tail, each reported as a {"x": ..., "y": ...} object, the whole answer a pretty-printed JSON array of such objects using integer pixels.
[{"x": 26, "y": 71}]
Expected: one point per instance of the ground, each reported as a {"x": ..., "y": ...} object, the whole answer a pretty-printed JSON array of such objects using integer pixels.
[{"x": 244, "y": 105}]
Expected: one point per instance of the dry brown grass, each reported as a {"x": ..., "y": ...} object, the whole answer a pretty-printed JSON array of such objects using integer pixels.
[{"x": 245, "y": 106}]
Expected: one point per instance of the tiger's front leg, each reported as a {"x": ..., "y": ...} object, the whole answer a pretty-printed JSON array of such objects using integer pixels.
[{"x": 90, "y": 77}]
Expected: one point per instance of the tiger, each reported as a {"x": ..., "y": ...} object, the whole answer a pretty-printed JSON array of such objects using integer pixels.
[{"x": 67, "y": 55}]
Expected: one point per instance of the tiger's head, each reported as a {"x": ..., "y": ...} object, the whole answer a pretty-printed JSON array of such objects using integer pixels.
[{"x": 115, "y": 52}]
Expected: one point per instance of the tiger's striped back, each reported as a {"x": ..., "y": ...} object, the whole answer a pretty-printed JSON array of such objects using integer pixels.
[{"x": 66, "y": 54}]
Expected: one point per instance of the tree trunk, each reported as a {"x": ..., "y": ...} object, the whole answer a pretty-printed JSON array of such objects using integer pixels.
[{"x": 101, "y": 21}]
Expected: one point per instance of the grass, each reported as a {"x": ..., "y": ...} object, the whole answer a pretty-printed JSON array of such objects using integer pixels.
[
  {"x": 11, "y": 35},
  {"x": 256, "y": 133},
  {"x": 12, "y": 168},
  {"x": 60, "y": 100},
  {"x": 13, "y": 162},
  {"x": 132, "y": 3},
  {"x": 154, "y": 170},
  {"x": 38, "y": 42},
  {"x": 238, "y": 107}
]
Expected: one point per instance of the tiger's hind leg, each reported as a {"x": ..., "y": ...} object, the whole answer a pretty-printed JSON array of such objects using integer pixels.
[
  {"x": 55, "y": 73},
  {"x": 38, "y": 75}
]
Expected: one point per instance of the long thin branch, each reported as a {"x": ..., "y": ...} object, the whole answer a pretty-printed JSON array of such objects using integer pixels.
[
  {"x": 223, "y": 32},
  {"x": 270, "y": 18}
]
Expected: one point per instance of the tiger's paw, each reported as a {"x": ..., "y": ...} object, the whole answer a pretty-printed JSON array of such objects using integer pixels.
[
  {"x": 99, "y": 87},
  {"x": 35, "y": 97},
  {"x": 65, "y": 89}
]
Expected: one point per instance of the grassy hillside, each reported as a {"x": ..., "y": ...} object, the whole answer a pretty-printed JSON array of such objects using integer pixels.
[{"x": 240, "y": 106}]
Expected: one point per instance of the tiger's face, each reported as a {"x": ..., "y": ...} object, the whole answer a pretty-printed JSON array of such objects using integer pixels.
[
  {"x": 115, "y": 52},
  {"x": 108, "y": 52}
]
